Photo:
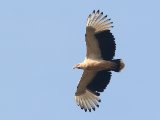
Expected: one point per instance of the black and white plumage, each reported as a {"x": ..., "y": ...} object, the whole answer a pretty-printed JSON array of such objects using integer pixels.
[{"x": 98, "y": 63}]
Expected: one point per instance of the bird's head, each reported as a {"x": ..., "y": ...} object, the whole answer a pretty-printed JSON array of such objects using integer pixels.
[{"x": 78, "y": 66}]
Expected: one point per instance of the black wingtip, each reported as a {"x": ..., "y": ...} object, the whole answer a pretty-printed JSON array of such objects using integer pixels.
[
  {"x": 97, "y": 11},
  {"x": 97, "y": 105},
  {"x": 99, "y": 100},
  {"x": 97, "y": 94},
  {"x": 93, "y": 109},
  {"x": 93, "y": 11},
  {"x": 105, "y": 16},
  {"x": 89, "y": 110},
  {"x": 102, "y": 13},
  {"x": 85, "y": 110}
]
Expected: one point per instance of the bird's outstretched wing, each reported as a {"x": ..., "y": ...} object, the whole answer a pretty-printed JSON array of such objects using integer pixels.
[
  {"x": 99, "y": 40},
  {"x": 91, "y": 83}
]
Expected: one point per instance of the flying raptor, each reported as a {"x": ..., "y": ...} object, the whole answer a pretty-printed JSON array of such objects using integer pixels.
[{"x": 98, "y": 63}]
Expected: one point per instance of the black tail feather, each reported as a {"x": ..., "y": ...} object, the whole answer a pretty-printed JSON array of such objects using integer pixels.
[{"x": 119, "y": 65}]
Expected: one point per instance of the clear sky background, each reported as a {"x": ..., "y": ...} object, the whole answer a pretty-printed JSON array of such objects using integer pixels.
[{"x": 41, "y": 40}]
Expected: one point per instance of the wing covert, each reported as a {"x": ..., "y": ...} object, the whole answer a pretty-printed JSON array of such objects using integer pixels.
[{"x": 86, "y": 78}]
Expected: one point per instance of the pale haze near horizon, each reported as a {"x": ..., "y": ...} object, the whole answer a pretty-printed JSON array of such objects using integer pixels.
[{"x": 40, "y": 41}]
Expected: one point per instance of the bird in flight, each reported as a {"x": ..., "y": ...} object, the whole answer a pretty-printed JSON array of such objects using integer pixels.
[{"x": 98, "y": 63}]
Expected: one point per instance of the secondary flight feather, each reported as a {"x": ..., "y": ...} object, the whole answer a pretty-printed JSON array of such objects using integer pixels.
[{"x": 98, "y": 63}]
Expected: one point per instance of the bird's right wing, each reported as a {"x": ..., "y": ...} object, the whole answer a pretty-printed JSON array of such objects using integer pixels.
[
  {"x": 91, "y": 83},
  {"x": 86, "y": 99}
]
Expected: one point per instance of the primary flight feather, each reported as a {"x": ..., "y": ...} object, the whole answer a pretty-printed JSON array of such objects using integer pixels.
[{"x": 98, "y": 63}]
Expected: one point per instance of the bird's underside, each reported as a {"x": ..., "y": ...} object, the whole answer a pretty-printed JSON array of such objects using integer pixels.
[
  {"x": 97, "y": 65},
  {"x": 99, "y": 62}
]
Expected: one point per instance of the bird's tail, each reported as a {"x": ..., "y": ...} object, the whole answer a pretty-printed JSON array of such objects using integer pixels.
[
  {"x": 87, "y": 100},
  {"x": 118, "y": 65}
]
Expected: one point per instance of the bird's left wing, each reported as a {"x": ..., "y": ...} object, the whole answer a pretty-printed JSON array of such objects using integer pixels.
[
  {"x": 93, "y": 50},
  {"x": 96, "y": 23}
]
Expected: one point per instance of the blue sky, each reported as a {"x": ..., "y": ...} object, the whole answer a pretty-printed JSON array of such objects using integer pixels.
[{"x": 40, "y": 41}]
